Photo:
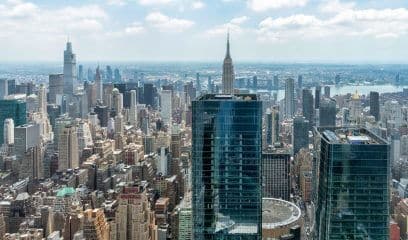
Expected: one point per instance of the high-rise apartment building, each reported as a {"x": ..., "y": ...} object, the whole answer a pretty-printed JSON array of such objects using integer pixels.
[
  {"x": 353, "y": 185},
  {"x": 227, "y": 194},
  {"x": 70, "y": 71}
]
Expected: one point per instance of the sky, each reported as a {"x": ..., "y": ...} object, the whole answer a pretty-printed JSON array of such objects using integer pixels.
[{"x": 323, "y": 31}]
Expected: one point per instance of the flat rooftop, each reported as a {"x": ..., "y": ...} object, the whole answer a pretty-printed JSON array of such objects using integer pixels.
[
  {"x": 278, "y": 213},
  {"x": 233, "y": 97},
  {"x": 352, "y": 136}
]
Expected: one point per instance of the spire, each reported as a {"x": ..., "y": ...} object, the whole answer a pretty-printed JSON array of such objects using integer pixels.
[{"x": 228, "y": 45}]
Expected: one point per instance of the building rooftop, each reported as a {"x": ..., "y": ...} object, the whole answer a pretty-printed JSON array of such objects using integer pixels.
[
  {"x": 234, "y": 97},
  {"x": 348, "y": 135},
  {"x": 278, "y": 213}
]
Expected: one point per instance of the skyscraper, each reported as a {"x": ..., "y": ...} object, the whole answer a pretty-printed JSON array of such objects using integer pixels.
[
  {"x": 300, "y": 134},
  {"x": 327, "y": 91},
  {"x": 289, "y": 98},
  {"x": 255, "y": 83},
  {"x": 68, "y": 148},
  {"x": 353, "y": 185},
  {"x": 318, "y": 92},
  {"x": 227, "y": 196},
  {"x": 3, "y": 88},
  {"x": 308, "y": 105},
  {"x": 55, "y": 87},
  {"x": 8, "y": 131},
  {"x": 14, "y": 109},
  {"x": 327, "y": 113},
  {"x": 228, "y": 72},
  {"x": 375, "y": 105},
  {"x": 70, "y": 71},
  {"x": 166, "y": 106},
  {"x": 276, "y": 174},
  {"x": 98, "y": 85},
  {"x": 198, "y": 84},
  {"x": 133, "y": 108}
]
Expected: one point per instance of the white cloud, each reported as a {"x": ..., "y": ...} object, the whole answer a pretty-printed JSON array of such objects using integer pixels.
[
  {"x": 116, "y": 2},
  {"x": 154, "y": 2},
  {"x": 197, "y": 5},
  {"x": 385, "y": 23},
  {"x": 264, "y": 5},
  {"x": 335, "y": 6},
  {"x": 234, "y": 26},
  {"x": 167, "y": 24},
  {"x": 134, "y": 28}
]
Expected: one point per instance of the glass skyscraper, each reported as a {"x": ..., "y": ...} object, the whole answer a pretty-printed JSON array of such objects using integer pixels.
[
  {"x": 353, "y": 172},
  {"x": 227, "y": 189},
  {"x": 12, "y": 108}
]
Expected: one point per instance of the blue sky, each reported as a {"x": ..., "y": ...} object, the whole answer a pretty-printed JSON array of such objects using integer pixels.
[{"x": 195, "y": 30}]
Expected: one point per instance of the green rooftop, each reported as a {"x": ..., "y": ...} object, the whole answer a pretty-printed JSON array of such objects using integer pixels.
[{"x": 66, "y": 191}]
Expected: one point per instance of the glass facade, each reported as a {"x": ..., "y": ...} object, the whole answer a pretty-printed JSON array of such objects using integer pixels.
[
  {"x": 227, "y": 194},
  {"x": 353, "y": 185},
  {"x": 15, "y": 109}
]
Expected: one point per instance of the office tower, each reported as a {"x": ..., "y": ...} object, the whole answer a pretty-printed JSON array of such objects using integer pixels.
[
  {"x": 70, "y": 74},
  {"x": 210, "y": 85},
  {"x": 308, "y": 106},
  {"x": 318, "y": 91},
  {"x": 337, "y": 79},
  {"x": 228, "y": 74},
  {"x": 8, "y": 131},
  {"x": 150, "y": 94},
  {"x": 133, "y": 214},
  {"x": 32, "y": 163},
  {"x": 14, "y": 109},
  {"x": 103, "y": 115},
  {"x": 11, "y": 83},
  {"x": 353, "y": 185},
  {"x": 26, "y": 136},
  {"x": 98, "y": 85},
  {"x": 327, "y": 113},
  {"x": 68, "y": 148},
  {"x": 289, "y": 98},
  {"x": 133, "y": 108},
  {"x": 300, "y": 134},
  {"x": 117, "y": 101},
  {"x": 109, "y": 73},
  {"x": 80, "y": 73},
  {"x": 90, "y": 75},
  {"x": 185, "y": 226},
  {"x": 42, "y": 100},
  {"x": 255, "y": 83},
  {"x": 397, "y": 78},
  {"x": 375, "y": 105},
  {"x": 55, "y": 87},
  {"x": 300, "y": 82},
  {"x": 276, "y": 82},
  {"x": 276, "y": 174},
  {"x": 3, "y": 88},
  {"x": 275, "y": 125},
  {"x": 268, "y": 126},
  {"x": 226, "y": 147},
  {"x": 327, "y": 91},
  {"x": 166, "y": 107},
  {"x": 95, "y": 225},
  {"x": 198, "y": 84},
  {"x": 118, "y": 77},
  {"x": 356, "y": 108}
]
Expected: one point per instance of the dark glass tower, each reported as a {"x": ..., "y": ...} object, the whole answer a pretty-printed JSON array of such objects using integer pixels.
[
  {"x": 300, "y": 134},
  {"x": 308, "y": 105},
  {"x": 15, "y": 109},
  {"x": 226, "y": 167},
  {"x": 327, "y": 113},
  {"x": 353, "y": 185},
  {"x": 318, "y": 93},
  {"x": 375, "y": 105}
]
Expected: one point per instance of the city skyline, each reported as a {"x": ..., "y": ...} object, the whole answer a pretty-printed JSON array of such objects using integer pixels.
[{"x": 174, "y": 30}]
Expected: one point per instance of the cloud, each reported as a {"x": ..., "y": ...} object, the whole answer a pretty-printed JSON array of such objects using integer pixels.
[
  {"x": 197, "y": 5},
  {"x": 234, "y": 26},
  {"x": 335, "y": 6},
  {"x": 167, "y": 24},
  {"x": 265, "y": 5},
  {"x": 116, "y": 2},
  {"x": 376, "y": 23},
  {"x": 154, "y": 2},
  {"x": 134, "y": 28}
]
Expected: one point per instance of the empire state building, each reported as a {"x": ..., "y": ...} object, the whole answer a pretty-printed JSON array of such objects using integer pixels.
[{"x": 228, "y": 72}]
